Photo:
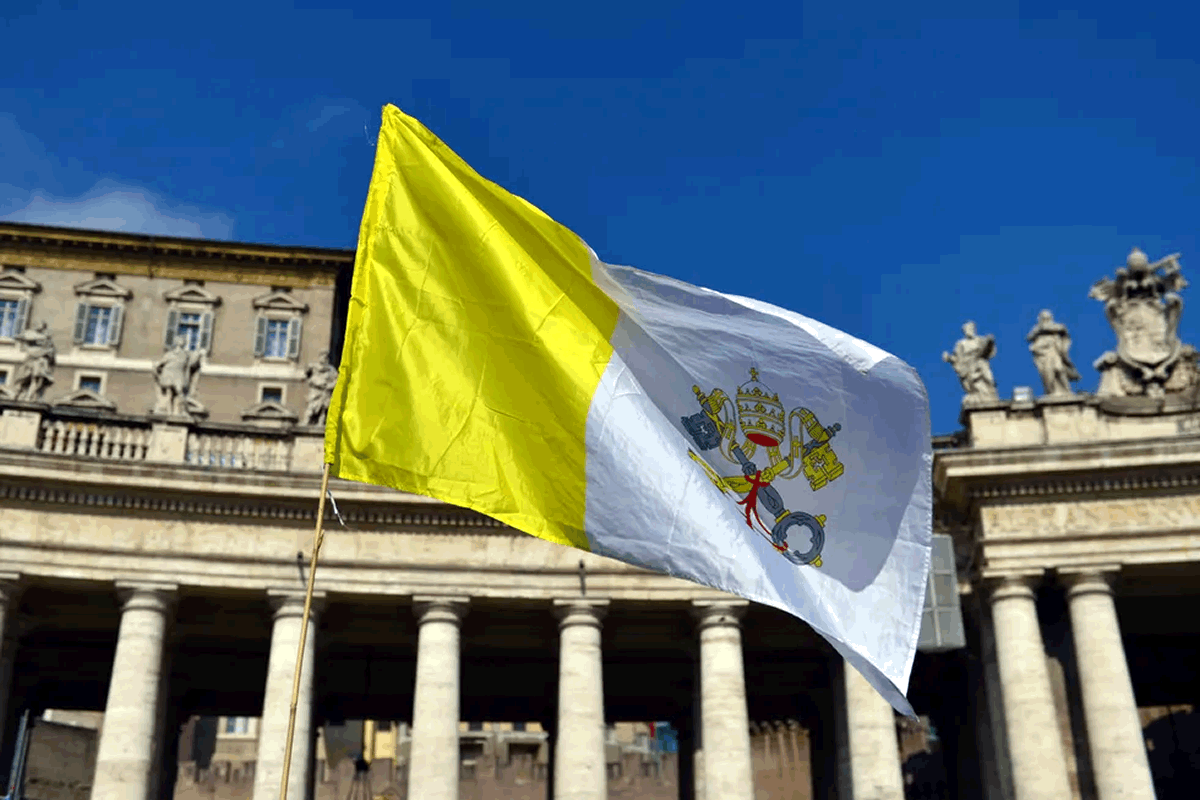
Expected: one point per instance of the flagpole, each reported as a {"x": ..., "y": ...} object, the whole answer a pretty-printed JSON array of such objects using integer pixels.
[{"x": 308, "y": 595}]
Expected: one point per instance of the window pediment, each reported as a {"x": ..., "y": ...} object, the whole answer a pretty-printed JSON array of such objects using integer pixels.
[
  {"x": 192, "y": 294},
  {"x": 15, "y": 281},
  {"x": 103, "y": 287},
  {"x": 86, "y": 398},
  {"x": 280, "y": 301},
  {"x": 269, "y": 411}
]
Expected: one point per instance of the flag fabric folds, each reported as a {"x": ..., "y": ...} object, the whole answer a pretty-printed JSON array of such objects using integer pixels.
[{"x": 491, "y": 360}]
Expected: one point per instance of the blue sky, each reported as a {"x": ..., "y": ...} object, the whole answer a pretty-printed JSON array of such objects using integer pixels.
[{"x": 891, "y": 173}]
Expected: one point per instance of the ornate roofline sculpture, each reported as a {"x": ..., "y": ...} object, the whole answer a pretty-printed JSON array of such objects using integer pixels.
[
  {"x": 321, "y": 377},
  {"x": 970, "y": 360},
  {"x": 1143, "y": 307},
  {"x": 36, "y": 372},
  {"x": 175, "y": 379},
  {"x": 1050, "y": 345}
]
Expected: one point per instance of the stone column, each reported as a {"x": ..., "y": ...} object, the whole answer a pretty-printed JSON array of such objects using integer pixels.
[
  {"x": 277, "y": 699},
  {"x": 551, "y": 730},
  {"x": 1114, "y": 731},
  {"x": 685, "y": 765},
  {"x": 10, "y": 588},
  {"x": 1039, "y": 767},
  {"x": 580, "y": 771},
  {"x": 991, "y": 731},
  {"x": 125, "y": 754},
  {"x": 433, "y": 760},
  {"x": 871, "y": 747},
  {"x": 724, "y": 722},
  {"x": 826, "y": 734}
]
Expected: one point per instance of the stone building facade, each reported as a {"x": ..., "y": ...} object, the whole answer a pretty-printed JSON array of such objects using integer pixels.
[{"x": 160, "y": 448}]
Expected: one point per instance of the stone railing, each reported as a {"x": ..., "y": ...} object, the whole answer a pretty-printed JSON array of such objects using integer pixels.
[
  {"x": 108, "y": 440},
  {"x": 69, "y": 433},
  {"x": 238, "y": 451}
]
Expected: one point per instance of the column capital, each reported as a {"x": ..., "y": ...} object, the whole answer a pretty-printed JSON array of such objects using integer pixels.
[
  {"x": 288, "y": 603},
  {"x": 1010, "y": 585},
  {"x": 712, "y": 613},
  {"x": 580, "y": 610},
  {"x": 440, "y": 608},
  {"x": 1089, "y": 580},
  {"x": 147, "y": 595}
]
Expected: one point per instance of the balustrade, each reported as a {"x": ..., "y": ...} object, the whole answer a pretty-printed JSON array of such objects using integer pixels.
[
  {"x": 134, "y": 439},
  {"x": 238, "y": 451},
  {"x": 112, "y": 441}
]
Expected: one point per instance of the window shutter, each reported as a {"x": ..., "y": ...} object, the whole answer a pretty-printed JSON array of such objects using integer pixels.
[
  {"x": 294, "y": 338},
  {"x": 260, "y": 336},
  {"x": 206, "y": 320},
  {"x": 114, "y": 324},
  {"x": 22, "y": 314},
  {"x": 81, "y": 312},
  {"x": 172, "y": 326}
]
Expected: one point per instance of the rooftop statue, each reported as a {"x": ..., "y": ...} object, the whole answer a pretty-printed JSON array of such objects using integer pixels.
[
  {"x": 175, "y": 374},
  {"x": 1051, "y": 344},
  {"x": 35, "y": 373},
  {"x": 970, "y": 360},
  {"x": 1143, "y": 306},
  {"x": 321, "y": 377}
]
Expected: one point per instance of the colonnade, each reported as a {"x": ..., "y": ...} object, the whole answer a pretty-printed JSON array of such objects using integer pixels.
[
  {"x": 1114, "y": 732},
  {"x": 130, "y": 739}
]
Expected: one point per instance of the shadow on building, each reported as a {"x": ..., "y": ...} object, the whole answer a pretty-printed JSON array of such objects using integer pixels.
[{"x": 1173, "y": 745}]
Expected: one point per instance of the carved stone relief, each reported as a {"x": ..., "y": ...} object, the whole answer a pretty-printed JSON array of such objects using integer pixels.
[
  {"x": 1143, "y": 307},
  {"x": 1115, "y": 515}
]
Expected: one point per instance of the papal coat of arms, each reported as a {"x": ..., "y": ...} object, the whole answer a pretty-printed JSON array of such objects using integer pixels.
[
  {"x": 765, "y": 423},
  {"x": 1143, "y": 306}
]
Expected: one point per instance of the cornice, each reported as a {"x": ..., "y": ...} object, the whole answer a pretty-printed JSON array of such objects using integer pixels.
[
  {"x": 1088, "y": 486},
  {"x": 444, "y": 516},
  {"x": 167, "y": 256},
  {"x": 959, "y": 473},
  {"x": 174, "y": 487}
]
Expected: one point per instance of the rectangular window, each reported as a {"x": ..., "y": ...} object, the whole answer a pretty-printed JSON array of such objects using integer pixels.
[
  {"x": 277, "y": 339},
  {"x": 271, "y": 394},
  {"x": 98, "y": 320},
  {"x": 3, "y": 376},
  {"x": 187, "y": 330},
  {"x": 90, "y": 382},
  {"x": 12, "y": 317},
  {"x": 231, "y": 724},
  {"x": 97, "y": 325},
  {"x": 8, "y": 318}
]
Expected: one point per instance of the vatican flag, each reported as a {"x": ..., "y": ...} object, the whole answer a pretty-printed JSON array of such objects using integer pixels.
[{"x": 494, "y": 362}]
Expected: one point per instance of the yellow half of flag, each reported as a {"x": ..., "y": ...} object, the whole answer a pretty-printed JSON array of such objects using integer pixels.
[{"x": 475, "y": 340}]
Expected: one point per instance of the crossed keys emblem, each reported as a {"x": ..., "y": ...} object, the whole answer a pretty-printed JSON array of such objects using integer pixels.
[{"x": 762, "y": 419}]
